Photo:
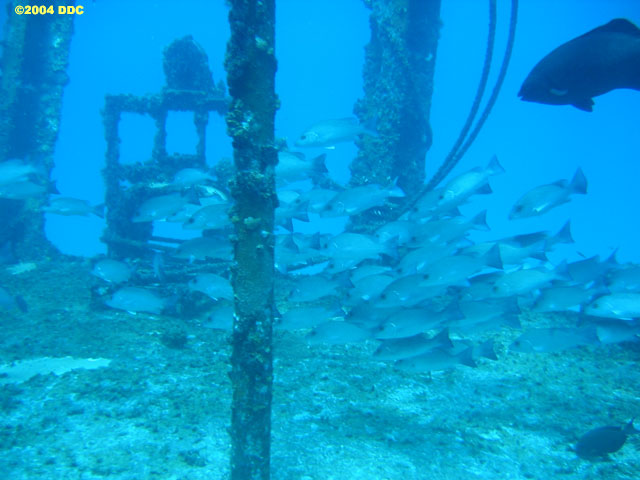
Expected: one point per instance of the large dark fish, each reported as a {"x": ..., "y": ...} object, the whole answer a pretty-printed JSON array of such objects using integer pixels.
[
  {"x": 606, "y": 58},
  {"x": 604, "y": 440}
]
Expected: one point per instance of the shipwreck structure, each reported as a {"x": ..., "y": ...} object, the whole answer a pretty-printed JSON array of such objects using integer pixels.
[{"x": 189, "y": 88}]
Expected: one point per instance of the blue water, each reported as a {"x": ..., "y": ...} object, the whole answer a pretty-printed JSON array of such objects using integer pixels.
[
  {"x": 161, "y": 411},
  {"x": 117, "y": 48}
]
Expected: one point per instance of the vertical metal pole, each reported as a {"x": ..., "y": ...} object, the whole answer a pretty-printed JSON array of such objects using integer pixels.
[
  {"x": 398, "y": 84},
  {"x": 34, "y": 62},
  {"x": 251, "y": 67}
]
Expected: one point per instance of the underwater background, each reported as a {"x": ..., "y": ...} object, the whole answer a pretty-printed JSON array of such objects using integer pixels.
[{"x": 156, "y": 404}]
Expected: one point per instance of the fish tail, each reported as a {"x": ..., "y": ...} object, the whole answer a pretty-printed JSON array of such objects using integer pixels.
[
  {"x": 579, "y": 182},
  {"x": 98, "y": 210},
  {"x": 318, "y": 168},
  {"x": 466, "y": 358},
  {"x": 494, "y": 167}
]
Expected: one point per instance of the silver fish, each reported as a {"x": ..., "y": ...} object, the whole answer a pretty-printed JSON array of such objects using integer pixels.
[
  {"x": 188, "y": 177},
  {"x": 15, "y": 171},
  {"x": 488, "y": 314},
  {"x": 367, "y": 270},
  {"x": 399, "y": 348},
  {"x": 24, "y": 190},
  {"x": 617, "y": 331},
  {"x": 294, "y": 167},
  {"x": 590, "y": 269},
  {"x": 546, "y": 197},
  {"x": 419, "y": 259},
  {"x": 318, "y": 198},
  {"x": 369, "y": 287},
  {"x": 562, "y": 298},
  {"x": 211, "y": 217},
  {"x": 221, "y": 316},
  {"x": 436, "y": 360},
  {"x": 337, "y": 333},
  {"x": 201, "y": 248},
  {"x": 136, "y": 299},
  {"x": 73, "y": 206},
  {"x": 460, "y": 188},
  {"x": 626, "y": 279},
  {"x": 355, "y": 247},
  {"x": 400, "y": 230},
  {"x": 329, "y": 132},
  {"x": 456, "y": 270},
  {"x": 112, "y": 271},
  {"x": 621, "y": 305},
  {"x": 212, "y": 285},
  {"x": 314, "y": 287},
  {"x": 525, "y": 281},
  {"x": 555, "y": 339},
  {"x": 161, "y": 207},
  {"x": 412, "y": 321},
  {"x": 305, "y": 317},
  {"x": 447, "y": 230},
  {"x": 407, "y": 292},
  {"x": 358, "y": 199}
]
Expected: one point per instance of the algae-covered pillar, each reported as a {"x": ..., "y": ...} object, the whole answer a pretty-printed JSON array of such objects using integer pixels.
[
  {"x": 398, "y": 83},
  {"x": 251, "y": 66},
  {"x": 35, "y": 54}
]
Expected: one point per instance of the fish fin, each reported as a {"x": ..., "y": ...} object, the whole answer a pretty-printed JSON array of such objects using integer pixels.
[
  {"x": 584, "y": 104},
  {"x": 511, "y": 320},
  {"x": 480, "y": 221},
  {"x": 486, "y": 350},
  {"x": 318, "y": 165},
  {"x": 617, "y": 25},
  {"x": 394, "y": 190},
  {"x": 579, "y": 182},
  {"x": 443, "y": 338},
  {"x": 563, "y": 236},
  {"x": 611, "y": 260},
  {"x": 494, "y": 167},
  {"x": 52, "y": 188},
  {"x": 98, "y": 210},
  {"x": 527, "y": 239},
  {"x": 492, "y": 257},
  {"x": 539, "y": 256},
  {"x": 484, "y": 189},
  {"x": 287, "y": 224},
  {"x": 289, "y": 242},
  {"x": 466, "y": 358},
  {"x": 302, "y": 216},
  {"x": 562, "y": 271}
]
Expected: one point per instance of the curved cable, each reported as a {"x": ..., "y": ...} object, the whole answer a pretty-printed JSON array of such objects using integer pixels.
[
  {"x": 452, "y": 158},
  {"x": 458, "y": 151},
  {"x": 490, "y": 103}
]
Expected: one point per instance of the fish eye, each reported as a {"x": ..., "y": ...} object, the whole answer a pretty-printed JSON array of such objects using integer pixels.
[
  {"x": 383, "y": 296},
  {"x": 518, "y": 208},
  {"x": 303, "y": 137}
]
